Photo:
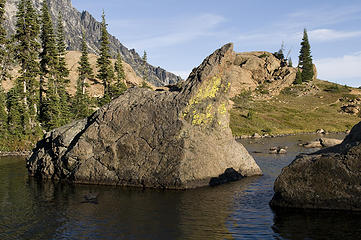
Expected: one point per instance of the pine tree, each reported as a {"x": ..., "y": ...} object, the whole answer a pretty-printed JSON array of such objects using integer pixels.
[
  {"x": 63, "y": 74},
  {"x": 298, "y": 79},
  {"x": 145, "y": 71},
  {"x": 50, "y": 112},
  {"x": 3, "y": 114},
  {"x": 6, "y": 58},
  {"x": 290, "y": 64},
  {"x": 145, "y": 67},
  {"x": 105, "y": 67},
  {"x": 119, "y": 87},
  {"x": 305, "y": 59},
  {"x": 82, "y": 102},
  {"x": 26, "y": 53},
  {"x": 3, "y": 73},
  {"x": 16, "y": 116}
]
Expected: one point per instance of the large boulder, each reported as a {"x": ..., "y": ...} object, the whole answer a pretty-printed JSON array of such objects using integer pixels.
[
  {"x": 327, "y": 179},
  {"x": 162, "y": 139}
]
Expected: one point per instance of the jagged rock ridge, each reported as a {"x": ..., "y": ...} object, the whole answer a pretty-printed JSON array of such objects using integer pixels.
[
  {"x": 75, "y": 21},
  {"x": 163, "y": 139}
]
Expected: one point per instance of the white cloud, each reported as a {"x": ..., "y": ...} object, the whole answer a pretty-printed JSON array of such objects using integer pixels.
[
  {"x": 345, "y": 70},
  {"x": 179, "y": 31},
  {"x": 330, "y": 34},
  {"x": 319, "y": 17}
]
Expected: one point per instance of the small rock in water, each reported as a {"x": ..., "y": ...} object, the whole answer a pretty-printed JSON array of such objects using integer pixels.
[
  {"x": 330, "y": 142},
  {"x": 278, "y": 150},
  {"x": 91, "y": 198},
  {"x": 314, "y": 144},
  {"x": 321, "y": 131}
]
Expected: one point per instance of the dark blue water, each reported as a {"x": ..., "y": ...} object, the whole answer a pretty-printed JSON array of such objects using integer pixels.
[{"x": 30, "y": 209}]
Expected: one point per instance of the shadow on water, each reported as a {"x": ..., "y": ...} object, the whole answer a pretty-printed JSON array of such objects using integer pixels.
[
  {"x": 316, "y": 224},
  {"x": 30, "y": 209}
]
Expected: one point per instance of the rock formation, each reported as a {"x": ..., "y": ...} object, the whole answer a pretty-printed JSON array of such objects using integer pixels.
[
  {"x": 327, "y": 179},
  {"x": 163, "y": 139},
  {"x": 260, "y": 71},
  {"x": 75, "y": 22}
]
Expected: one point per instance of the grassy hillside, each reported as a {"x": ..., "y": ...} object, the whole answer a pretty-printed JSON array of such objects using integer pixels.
[{"x": 297, "y": 109}]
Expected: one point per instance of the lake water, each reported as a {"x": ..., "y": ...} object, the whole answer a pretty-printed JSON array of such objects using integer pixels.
[{"x": 30, "y": 209}]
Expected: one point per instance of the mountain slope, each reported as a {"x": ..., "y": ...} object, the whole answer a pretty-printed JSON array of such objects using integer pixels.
[{"x": 75, "y": 21}]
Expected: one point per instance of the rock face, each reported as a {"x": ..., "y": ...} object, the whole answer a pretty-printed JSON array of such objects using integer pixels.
[
  {"x": 75, "y": 22},
  {"x": 327, "y": 179},
  {"x": 260, "y": 71},
  {"x": 162, "y": 139}
]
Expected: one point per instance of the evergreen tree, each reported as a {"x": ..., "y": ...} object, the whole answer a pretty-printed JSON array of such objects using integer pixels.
[
  {"x": 290, "y": 64},
  {"x": 305, "y": 59},
  {"x": 16, "y": 116},
  {"x": 145, "y": 67},
  {"x": 145, "y": 71},
  {"x": 50, "y": 112},
  {"x": 119, "y": 87},
  {"x": 6, "y": 58},
  {"x": 63, "y": 74},
  {"x": 105, "y": 67},
  {"x": 26, "y": 53},
  {"x": 82, "y": 102},
  {"x": 3, "y": 114},
  {"x": 298, "y": 79},
  {"x": 3, "y": 73}
]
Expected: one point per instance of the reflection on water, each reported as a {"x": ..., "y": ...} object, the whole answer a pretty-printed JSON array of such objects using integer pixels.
[{"x": 30, "y": 209}]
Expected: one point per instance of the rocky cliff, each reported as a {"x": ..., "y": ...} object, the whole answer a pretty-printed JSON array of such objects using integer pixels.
[
  {"x": 163, "y": 139},
  {"x": 75, "y": 22},
  {"x": 328, "y": 179}
]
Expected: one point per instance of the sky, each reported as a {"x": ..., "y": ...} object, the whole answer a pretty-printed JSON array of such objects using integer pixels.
[{"x": 178, "y": 34}]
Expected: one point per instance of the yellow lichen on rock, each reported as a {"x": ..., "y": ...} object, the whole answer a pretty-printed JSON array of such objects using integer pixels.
[
  {"x": 203, "y": 118},
  {"x": 209, "y": 91},
  {"x": 222, "y": 109}
]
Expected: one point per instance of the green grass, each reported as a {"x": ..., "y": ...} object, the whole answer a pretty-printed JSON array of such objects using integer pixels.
[{"x": 287, "y": 113}]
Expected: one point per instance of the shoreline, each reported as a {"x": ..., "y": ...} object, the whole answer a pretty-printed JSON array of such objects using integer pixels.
[
  {"x": 257, "y": 136},
  {"x": 15, "y": 154}
]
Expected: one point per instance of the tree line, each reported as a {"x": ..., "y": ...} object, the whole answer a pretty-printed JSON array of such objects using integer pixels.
[{"x": 39, "y": 100}]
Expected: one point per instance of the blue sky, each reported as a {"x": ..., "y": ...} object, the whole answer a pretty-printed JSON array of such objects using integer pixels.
[{"x": 178, "y": 35}]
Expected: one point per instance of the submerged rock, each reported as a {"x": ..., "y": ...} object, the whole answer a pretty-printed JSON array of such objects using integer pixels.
[
  {"x": 162, "y": 139},
  {"x": 327, "y": 179}
]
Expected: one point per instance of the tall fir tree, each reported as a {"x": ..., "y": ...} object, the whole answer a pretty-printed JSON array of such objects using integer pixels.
[
  {"x": 6, "y": 51},
  {"x": 26, "y": 53},
  {"x": 50, "y": 112},
  {"x": 3, "y": 73},
  {"x": 305, "y": 59},
  {"x": 145, "y": 68},
  {"x": 82, "y": 102},
  {"x": 63, "y": 74},
  {"x": 3, "y": 114},
  {"x": 119, "y": 86},
  {"x": 145, "y": 71},
  {"x": 16, "y": 115},
  {"x": 290, "y": 64},
  {"x": 105, "y": 67}
]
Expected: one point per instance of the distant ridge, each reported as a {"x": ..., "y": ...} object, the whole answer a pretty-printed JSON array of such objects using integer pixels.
[{"x": 75, "y": 21}]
